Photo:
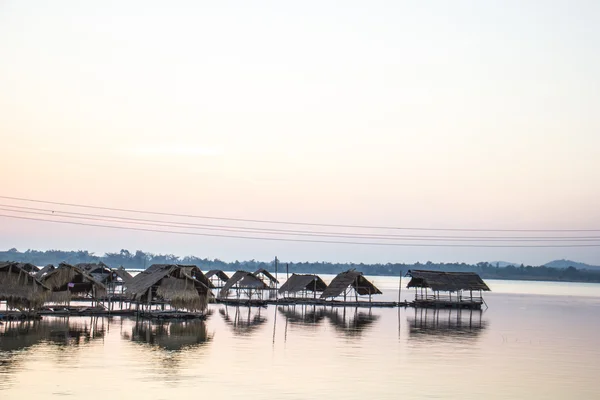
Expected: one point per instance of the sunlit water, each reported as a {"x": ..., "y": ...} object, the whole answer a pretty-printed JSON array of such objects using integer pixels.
[{"x": 536, "y": 340}]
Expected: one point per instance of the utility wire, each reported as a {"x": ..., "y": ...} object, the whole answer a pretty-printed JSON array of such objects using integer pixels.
[
  {"x": 171, "y": 224},
  {"x": 294, "y": 222},
  {"x": 297, "y": 240}
]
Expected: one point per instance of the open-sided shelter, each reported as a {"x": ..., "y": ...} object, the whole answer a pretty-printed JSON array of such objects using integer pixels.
[
  {"x": 69, "y": 282},
  {"x": 347, "y": 282},
  {"x": 20, "y": 289},
  {"x": 217, "y": 277},
  {"x": 267, "y": 278},
  {"x": 299, "y": 285},
  {"x": 243, "y": 282},
  {"x": 180, "y": 286},
  {"x": 429, "y": 284}
]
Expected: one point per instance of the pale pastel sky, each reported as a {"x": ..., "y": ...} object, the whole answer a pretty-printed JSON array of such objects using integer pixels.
[{"x": 463, "y": 114}]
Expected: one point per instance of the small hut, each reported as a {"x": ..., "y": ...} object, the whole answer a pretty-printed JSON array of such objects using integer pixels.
[
  {"x": 48, "y": 268},
  {"x": 299, "y": 284},
  {"x": 69, "y": 282},
  {"x": 267, "y": 278},
  {"x": 180, "y": 286},
  {"x": 28, "y": 267},
  {"x": 217, "y": 277},
  {"x": 113, "y": 279},
  {"x": 243, "y": 282},
  {"x": 347, "y": 282},
  {"x": 429, "y": 284},
  {"x": 19, "y": 289},
  {"x": 122, "y": 274}
]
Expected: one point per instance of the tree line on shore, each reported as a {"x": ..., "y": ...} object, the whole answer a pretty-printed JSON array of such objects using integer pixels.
[{"x": 142, "y": 260}]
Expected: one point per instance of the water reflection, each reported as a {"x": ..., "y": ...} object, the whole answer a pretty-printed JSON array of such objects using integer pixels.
[
  {"x": 170, "y": 336},
  {"x": 63, "y": 334},
  {"x": 243, "y": 320},
  {"x": 452, "y": 324},
  {"x": 350, "y": 322},
  {"x": 302, "y": 315},
  {"x": 19, "y": 335}
]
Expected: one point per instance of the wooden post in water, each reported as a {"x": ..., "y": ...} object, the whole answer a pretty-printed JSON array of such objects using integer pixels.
[{"x": 400, "y": 287}]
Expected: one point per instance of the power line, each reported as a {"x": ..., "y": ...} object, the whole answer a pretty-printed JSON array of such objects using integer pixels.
[
  {"x": 294, "y": 222},
  {"x": 170, "y": 224},
  {"x": 297, "y": 240}
]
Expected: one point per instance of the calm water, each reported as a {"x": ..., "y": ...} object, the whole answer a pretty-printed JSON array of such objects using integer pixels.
[{"x": 536, "y": 340}]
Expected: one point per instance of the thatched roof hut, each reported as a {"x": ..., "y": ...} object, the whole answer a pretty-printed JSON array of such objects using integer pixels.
[
  {"x": 446, "y": 281},
  {"x": 44, "y": 271},
  {"x": 67, "y": 281},
  {"x": 350, "y": 279},
  {"x": 299, "y": 283},
  {"x": 265, "y": 275},
  {"x": 217, "y": 277},
  {"x": 100, "y": 271},
  {"x": 182, "y": 286},
  {"x": 242, "y": 280},
  {"x": 28, "y": 267},
  {"x": 20, "y": 289},
  {"x": 123, "y": 274}
]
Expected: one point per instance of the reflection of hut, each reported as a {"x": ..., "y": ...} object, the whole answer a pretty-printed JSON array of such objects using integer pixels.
[
  {"x": 347, "y": 282},
  {"x": 303, "y": 314},
  {"x": 19, "y": 289},
  {"x": 180, "y": 286},
  {"x": 244, "y": 283},
  {"x": 243, "y": 322},
  {"x": 267, "y": 278},
  {"x": 348, "y": 322},
  {"x": 19, "y": 335},
  {"x": 70, "y": 282},
  {"x": 429, "y": 284},
  {"x": 453, "y": 324},
  {"x": 172, "y": 336},
  {"x": 217, "y": 277},
  {"x": 302, "y": 284}
]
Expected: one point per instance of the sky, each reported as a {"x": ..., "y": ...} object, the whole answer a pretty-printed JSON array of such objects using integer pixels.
[{"x": 445, "y": 115}]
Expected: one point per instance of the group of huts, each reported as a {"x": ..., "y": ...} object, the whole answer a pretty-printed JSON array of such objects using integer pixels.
[{"x": 25, "y": 287}]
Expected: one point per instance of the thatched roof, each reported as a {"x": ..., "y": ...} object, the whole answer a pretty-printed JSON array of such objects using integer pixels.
[
  {"x": 266, "y": 273},
  {"x": 243, "y": 279},
  {"x": 220, "y": 274},
  {"x": 20, "y": 289},
  {"x": 350, "y": 278},
  {"x": 183, "y": 286},
  {"x": 29, "y": 267},
  {"x": 298, "y": 282},
  {"x": 44, "y": 271},
  {"x": 73, "y": 279},
  {"x": 446, "y": 281},
  {"x": 94, "y": 267},
  {"x": 100, "y": 271},
  {"x": 123, "y": 274}
]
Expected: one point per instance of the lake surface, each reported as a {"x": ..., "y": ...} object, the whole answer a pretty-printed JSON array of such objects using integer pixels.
[{"x": 536, "y": 340}]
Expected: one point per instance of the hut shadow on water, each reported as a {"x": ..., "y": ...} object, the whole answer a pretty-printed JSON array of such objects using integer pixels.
[
  {"x": 304, "y": 315},
  {"x": 170, "y": 336},
  {"x": 243, "y": 320},
  {"x": 351, "y": 322},
  {"x": 18, "y": 338},
  {"x": 443, "y": 324},
  {"x": 62, "y": 332}
]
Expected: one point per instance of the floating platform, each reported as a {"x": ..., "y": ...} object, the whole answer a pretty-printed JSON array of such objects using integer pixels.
[{"x": 313, "y": 302}]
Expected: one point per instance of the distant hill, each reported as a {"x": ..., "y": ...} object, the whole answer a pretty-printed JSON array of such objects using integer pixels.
[{"x": 568, "y": 263}]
